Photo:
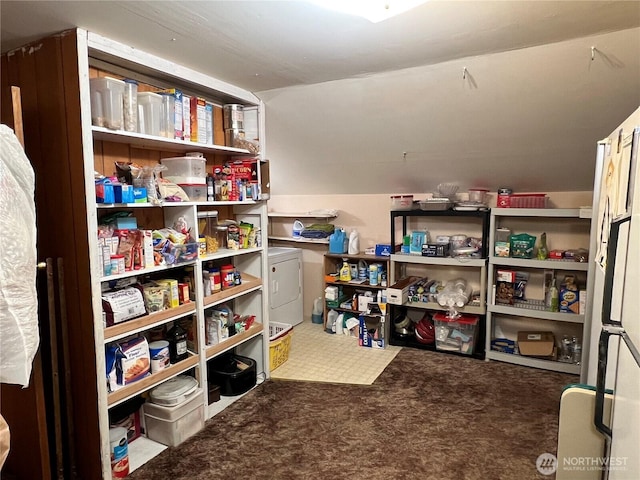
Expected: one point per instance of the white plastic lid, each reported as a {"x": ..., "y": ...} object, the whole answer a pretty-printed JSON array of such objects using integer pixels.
[{"x": 173, "y": 389}]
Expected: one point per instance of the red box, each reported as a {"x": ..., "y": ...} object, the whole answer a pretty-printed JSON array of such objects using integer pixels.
[
  {"x": 556, "y": 254},
  {"x": 504, "y": 201}
]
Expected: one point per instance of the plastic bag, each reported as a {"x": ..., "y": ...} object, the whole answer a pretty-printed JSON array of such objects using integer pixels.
[{"x": 19, "y": 336}]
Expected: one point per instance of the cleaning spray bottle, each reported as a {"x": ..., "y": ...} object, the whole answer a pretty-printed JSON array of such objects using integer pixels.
[
  {"x": 354, "y": 242},
  {"x": 345, "y": 271}
]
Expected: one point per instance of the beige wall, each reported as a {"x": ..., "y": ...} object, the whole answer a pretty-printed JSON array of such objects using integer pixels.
[{"x": 369, "y": 215}]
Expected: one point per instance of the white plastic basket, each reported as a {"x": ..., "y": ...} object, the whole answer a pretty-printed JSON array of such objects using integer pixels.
[{"x": 278, "y": 330}]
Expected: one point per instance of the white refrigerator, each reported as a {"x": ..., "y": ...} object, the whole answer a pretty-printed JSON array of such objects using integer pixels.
[{"x": 613, "y": 360}]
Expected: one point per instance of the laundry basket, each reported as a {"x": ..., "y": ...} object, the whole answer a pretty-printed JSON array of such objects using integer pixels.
[{"x": 279, "y": 343}]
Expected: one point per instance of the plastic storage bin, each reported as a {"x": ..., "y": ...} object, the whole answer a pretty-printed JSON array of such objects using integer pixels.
[
  {"x": 106, "y": 102},
  {"x": 186, "y": 170},
  {"x": 173, "y": 425},
  {"x": 196, "y": 193},
  {"x": 456, "y": 334},
  {"x": 149, "y": 113},
  {"x": 280, "y": 335},
  {"x": 233, "y": 373}
]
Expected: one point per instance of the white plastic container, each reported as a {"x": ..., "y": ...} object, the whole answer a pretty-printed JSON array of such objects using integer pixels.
[
  {"x": 478, "y": 195},
  {"x": 173, "y": 425},
  {"x": 149, "y": 113},
  {"x": 106, "y": 102},
  {"x": 196, "y": 192},
  {"x": 174, "y": 391},
  {"x": 185, "y": 170},
  {"x": 401, "y": 202}
]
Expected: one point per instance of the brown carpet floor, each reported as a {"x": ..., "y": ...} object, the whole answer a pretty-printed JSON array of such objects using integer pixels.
[{"x": 428, "y": 416}]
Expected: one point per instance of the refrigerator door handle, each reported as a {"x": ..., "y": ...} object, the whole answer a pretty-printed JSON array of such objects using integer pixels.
[
  {"x": 603, "y": 354},
  {"x": 612, "y": 249}
]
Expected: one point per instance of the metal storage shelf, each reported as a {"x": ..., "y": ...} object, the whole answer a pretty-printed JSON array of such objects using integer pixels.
[
  {"x": 537, "y": 212},
  {"x": 534, "y": 362},
  {"x": 532, "y": 313},
  {"x": 544, "y": 264},
  {"x": 561, "y": 320},
  {"x": 451, "y": 261},
  {"x": 401, "y": 261}
]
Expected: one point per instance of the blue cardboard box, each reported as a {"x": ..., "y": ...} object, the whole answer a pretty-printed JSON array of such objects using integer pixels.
[
  {"x": 384, "y": 249},
  {"x": 123, "y": 193}
]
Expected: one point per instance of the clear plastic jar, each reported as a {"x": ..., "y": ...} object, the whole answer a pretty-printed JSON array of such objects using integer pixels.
[
  {"x": 207, "y": 226},
  {"x": 167, "y": 113},
  {"x": 130, "y": 112}
]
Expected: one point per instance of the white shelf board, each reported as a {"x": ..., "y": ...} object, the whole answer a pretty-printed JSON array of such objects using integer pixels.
[
  {"x": 215, "y": 408},
  {"x": 532, "y": 313},
  {"x": 452, "y": 261},
  {"x": 227, "y": 252},
  {"x": 141, "y": 450},
  {"x": 469, "y": 309},
  {"x": 533, "y": 362},
  {"x": 546, "y": 264},
  {"x": 175, "y": 204},
  {"x": 320, "y": 241},
  {"x": 300, "y": 215},
  {"x": 144, "y": 271},
  {"x": 536, "y": 212},
  {"x": 141, "y": 140}
]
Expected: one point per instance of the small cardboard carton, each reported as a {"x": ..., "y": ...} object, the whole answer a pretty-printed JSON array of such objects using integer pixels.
[
  {"x": 374, "y": 327},
  {"x": 398, "y": 293},
  {"x": 536, "y": 344}
]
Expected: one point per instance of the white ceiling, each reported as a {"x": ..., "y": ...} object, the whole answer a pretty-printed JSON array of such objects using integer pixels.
[
  {"x": 345, "y": 98},
  {"x": 261, "y": 45}
]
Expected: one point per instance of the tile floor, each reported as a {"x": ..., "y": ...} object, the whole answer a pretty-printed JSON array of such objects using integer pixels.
[{"x": 318, "y": 356}]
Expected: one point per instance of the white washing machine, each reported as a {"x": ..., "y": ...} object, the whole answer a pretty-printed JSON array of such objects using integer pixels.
[{"x": 285, "y": 285}]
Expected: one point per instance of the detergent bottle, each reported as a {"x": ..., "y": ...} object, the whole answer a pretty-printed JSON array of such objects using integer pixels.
[{"x": 337, "y": 241}]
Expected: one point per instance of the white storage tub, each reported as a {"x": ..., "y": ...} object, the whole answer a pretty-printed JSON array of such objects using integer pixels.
[
  {"x": 107, "y": 102},
  {"x": 173, "y": 425},
  {"x": 149, "y": 113},
  {"x": 196, "y": 193},
  {"x": 185, "y": 170}
]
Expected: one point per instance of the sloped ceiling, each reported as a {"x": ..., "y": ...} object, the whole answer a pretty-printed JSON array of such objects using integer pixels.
[{"x": 346, "y": 98}]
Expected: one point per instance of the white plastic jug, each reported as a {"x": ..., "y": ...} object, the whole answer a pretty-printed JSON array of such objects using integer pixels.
[
  {"x": 332, "y": 316},
  {"x": 298, "y": 227},
  {"x": 354, "y": 242},
  {"x": 316, "y": 313}
]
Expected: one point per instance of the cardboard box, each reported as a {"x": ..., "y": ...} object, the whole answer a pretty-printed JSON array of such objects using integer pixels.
[
  {"x": 398, "y": 293},
  {"x": 384, "y": 249},
  {"x": 172, "y": 289},
  {"x": 582, "y": 299},
  {"x": 147, "y": 248},
  {"x": 198, "y": 117},
  {"x": 374, "y": 329},
  {"x": 186, "y": 117},
  {"x": 569, "y": 299},
  {"x": 209, "y": 114},
  {"x": 536, "y": 344}
]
